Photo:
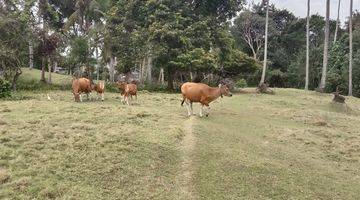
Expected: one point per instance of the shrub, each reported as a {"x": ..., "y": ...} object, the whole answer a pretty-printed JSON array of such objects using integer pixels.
[
  {"x": 5, "y": 88},
  {"x": 241, "y": 83}
]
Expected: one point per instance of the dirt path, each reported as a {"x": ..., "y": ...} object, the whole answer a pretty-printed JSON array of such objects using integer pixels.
[{"x": 188, "y": 144}]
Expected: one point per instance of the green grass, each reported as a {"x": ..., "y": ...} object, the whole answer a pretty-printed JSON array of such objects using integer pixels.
[
  {"x": 30, "y": 80},
  {"x": 292, "y": 145}
]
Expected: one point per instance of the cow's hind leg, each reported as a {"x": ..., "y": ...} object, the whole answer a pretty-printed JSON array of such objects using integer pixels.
[
  {"x": 191, "y": 108},
  {"x": 127, "y": 99},
  {"x": 188, "y": 107}
]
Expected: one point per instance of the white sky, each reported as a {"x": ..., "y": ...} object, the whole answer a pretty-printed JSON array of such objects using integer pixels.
[{"x": 299, "y": 7}]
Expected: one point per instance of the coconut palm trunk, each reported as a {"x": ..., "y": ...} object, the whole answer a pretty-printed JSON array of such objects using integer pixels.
[
  {"x": 31, "y": 55},
  {"x": 337, "y": 22},
  {"x": 49, "y": 68},
  {"x": 266, "y": 44},
  {"x": 326, "y": 48},
  {"x": 350, "y": 47},
  {"x": 307, "y": 46}
]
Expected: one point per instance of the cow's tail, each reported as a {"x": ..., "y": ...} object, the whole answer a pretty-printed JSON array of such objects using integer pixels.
[{"x": 182, "y": 103}]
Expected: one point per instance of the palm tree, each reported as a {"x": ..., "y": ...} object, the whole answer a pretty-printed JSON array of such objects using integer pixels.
[
  {"x": 337, "y": 22},
  {"x": 266, "y": 43},
  {"x": 326, "y": 48},
  {"x": 351, "y": 47},
  {"x": 307, "y": 46}
]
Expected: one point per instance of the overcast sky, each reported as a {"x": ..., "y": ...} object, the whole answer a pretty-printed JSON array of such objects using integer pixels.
[{"x": 299, "y": 7}]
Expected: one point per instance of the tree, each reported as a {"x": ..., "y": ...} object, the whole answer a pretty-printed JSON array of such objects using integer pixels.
[
  {"x": 266, "y": 43},
  {"x": 13, "y": 46},
  {"x": 350, "y": 48},
  {"x": 307, "y": 46},
  {"x": 337, "y": 22},
  {"x": 326, "y": 48},
  {"x": 249, "y": 27}
]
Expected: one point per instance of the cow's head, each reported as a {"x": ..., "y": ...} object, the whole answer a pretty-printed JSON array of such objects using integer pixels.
[
  {"x": 121, "y": 85},
  {"x": 76, "y": 97},
  {"x": 224, "y": 91}
]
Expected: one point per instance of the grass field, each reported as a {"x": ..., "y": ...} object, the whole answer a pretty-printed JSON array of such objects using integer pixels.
[
  {"x": 292, "y": 145},
  {"x": 30, "y": 80}
]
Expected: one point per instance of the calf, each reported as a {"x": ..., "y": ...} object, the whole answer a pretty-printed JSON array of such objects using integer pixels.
[
  {"x": 100, "y": 89},
  {"x": 79, "y": 86},
  {"x": 202, "y": 93},
  {"x": 128, "y": 90}
]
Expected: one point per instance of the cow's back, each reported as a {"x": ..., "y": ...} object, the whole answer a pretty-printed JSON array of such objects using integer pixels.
[
  {"x": 81, "y": 85},
  {"x": 131, "y": 89}
]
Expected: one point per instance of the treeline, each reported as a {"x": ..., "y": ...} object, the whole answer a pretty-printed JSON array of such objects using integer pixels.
[
  {"x": 287, "y": 48},
  {"x": 168, "y": 42}
]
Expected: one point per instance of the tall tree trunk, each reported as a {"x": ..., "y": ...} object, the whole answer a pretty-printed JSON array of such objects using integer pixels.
[
  {"x": 142, "y": 70},
  {"x": 49, "y": 67},
  {"x": 43, "y": 63},
  {"x": 170, "y": 79},
  {"x": 326, "y": 48},
  {"x": 149, "y": 70},
  {"x": 97, "y": 63},
  {"x": 350, "y": 47},
  {"x": 161, "y": 76},
  {"x": 31, "y": 55},
  {"x": 55, "y": 66},
  {"x": 266, "y": 44},
  {"x": 307, "y": 46},
  {"x": 337, "y": 22},
  {"x": 112, "y": 68},
  {"x": 15, "y": 78}
]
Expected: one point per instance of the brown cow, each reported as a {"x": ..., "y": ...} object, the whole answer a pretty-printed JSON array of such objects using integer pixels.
[
  {"x": 128, "y": 90},
  {"x": 100, "y": 89},
  {"x": 81, "y": 85},
  {"x": 202, "y": 93}
]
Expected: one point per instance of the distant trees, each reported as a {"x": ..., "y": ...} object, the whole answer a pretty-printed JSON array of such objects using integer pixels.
[
  {"x": 180, "y": 37},
  {"x": 175, "y": 41},
  {"x": 287, "y": 58}
]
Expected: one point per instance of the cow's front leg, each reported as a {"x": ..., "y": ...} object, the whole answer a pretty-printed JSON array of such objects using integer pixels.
[
  {"x": 124, "y": 98},
  {"x": 102, "y": 96},
  {"x": 202, "y": 110},
  {"x": 80, "y": 97},
  {"x": 208, "y": 111}
]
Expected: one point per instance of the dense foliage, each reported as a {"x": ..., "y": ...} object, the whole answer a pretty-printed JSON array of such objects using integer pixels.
[
  {"x": 5, "y": 88},
  {"x": 173, "y": 41}
]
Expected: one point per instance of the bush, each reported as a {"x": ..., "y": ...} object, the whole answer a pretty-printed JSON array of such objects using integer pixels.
[
  {"x": 5, "y": 88},
  {"x": 241, "y": 83}
]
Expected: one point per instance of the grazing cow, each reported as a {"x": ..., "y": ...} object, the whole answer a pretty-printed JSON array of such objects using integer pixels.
[
  {"x": 100, "y": 89},
  {"x": 81, "y": 85},
  {"x": 202, "y": 93},
  {"x": 128, "y": 90}
]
